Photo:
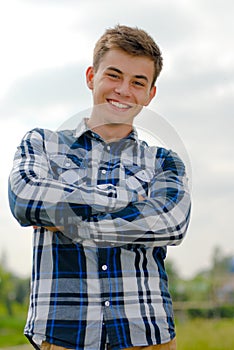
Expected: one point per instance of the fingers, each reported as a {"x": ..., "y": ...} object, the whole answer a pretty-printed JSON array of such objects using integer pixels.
[{"x": 51, "y": 228}]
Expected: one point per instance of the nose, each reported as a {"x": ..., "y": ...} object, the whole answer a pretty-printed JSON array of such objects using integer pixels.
[{"x": 123, "y": 88}]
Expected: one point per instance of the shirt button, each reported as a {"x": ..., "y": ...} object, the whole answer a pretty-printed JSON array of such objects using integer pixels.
[
  {"x": 107, "y": 303},
  {"x": 67, "y": 164},
  {"x": 108, "y": 148},
  {"x": 104, "y": 267},
  {"x": 103, "y": 171}
]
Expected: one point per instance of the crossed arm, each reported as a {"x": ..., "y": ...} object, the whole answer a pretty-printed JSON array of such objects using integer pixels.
[{"x": 109, "y": 213}]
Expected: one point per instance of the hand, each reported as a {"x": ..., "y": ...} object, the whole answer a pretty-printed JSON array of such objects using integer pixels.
[
  {"x": 140, "y": 197},
  {"x": 51, "y": 228}
]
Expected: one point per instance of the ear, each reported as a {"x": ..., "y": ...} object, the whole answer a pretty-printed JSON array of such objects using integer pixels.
[
  {"x": 151, "y": 95},
  {"x": 89, "y": 77}
]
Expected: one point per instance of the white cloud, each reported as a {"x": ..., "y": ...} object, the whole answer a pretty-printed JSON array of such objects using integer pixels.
[
  {"x": 37, "y": 37},
  {"x": 52, "y": 93},
  {"x": 45, "y": 47}
]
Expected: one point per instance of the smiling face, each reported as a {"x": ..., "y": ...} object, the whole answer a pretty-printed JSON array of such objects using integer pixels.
[{"x": 123, "y": 84}]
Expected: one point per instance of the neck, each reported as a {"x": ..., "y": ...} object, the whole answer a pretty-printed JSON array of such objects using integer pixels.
[{"x": 110, "y": 132}]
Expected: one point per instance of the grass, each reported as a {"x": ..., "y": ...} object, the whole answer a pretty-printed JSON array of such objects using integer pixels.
[
  {"x": 11, "y": 327},
  {"x": 204, "y": 334}
]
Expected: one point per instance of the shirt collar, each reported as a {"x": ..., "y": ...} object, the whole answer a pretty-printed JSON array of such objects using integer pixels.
[{"x": 81, "y": 128}]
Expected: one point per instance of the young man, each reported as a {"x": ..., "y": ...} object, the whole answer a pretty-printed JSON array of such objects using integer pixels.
[{"x": 104, "y": 206}]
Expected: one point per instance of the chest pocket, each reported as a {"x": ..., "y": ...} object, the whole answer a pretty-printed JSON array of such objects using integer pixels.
[
  {"x": 67, "y": 169},
  {"x": 139, "y": 179}
]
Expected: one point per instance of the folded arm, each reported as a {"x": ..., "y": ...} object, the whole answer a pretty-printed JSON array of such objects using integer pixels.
[
  {"x": 160, "y": 219},
  {"x": 36, "y": 198},
  {"x": 108, "y": 213}
]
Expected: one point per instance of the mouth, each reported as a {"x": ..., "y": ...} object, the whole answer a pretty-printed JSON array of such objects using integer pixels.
[{"x": 119, "y": 105}]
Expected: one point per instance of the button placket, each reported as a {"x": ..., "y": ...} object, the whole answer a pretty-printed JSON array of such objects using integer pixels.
[
  {"x": 105, "y": 280},
  {"x": 103, "y": 163}
]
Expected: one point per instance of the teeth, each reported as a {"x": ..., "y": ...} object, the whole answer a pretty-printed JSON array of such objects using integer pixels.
[{"x": 118, "y": 104}]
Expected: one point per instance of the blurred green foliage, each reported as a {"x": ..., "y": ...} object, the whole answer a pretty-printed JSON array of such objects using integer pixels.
[
  {"x": 205, "y": 334},
  {"x": 214, "y": 285}
]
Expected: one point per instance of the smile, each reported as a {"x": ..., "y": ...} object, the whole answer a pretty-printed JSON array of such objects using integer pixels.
[{"x": 119, "y": 105}]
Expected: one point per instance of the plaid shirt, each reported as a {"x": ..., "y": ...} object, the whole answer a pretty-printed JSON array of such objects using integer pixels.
[{"x": 101, "y": 277}]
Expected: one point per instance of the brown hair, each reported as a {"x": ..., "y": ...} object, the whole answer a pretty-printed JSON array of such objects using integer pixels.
[{"x": 133, "y": 41}]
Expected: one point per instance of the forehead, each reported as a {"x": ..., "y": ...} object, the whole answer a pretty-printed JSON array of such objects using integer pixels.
[{"x": 127, "y": 64}]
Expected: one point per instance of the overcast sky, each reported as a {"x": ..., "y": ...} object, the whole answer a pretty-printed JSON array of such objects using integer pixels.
[{"x": 46, "y": 46}]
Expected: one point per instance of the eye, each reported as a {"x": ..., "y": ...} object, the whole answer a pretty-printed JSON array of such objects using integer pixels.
[
  {"x": 113, "y": 75},
  {"x": 138, "y": 83}
]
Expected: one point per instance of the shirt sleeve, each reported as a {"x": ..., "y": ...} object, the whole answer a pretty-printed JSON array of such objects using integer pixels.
[
  {"x": 36, "y": 198},
  {"x": 161, "y": 219}
]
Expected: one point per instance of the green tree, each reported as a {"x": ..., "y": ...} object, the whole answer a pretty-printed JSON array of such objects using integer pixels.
[
  {"x": 13, "y": 289},
  {"x": 22, "y": 290},
  {"x": 7, "y": 293},
  {"x": 176, "y": 283}
]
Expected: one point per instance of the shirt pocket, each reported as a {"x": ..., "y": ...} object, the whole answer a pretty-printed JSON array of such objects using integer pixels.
[
  {"x": 139, "y": 179},
  {"x": 66, "y": 170}
]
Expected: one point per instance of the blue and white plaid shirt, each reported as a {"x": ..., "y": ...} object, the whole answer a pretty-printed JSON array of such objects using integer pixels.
[{"x": 101, "y": 276}]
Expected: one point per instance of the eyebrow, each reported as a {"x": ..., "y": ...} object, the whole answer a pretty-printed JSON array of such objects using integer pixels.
[{"x": 137, "y": 76}]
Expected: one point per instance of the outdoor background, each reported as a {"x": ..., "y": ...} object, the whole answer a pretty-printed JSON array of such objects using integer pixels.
[{"x": 46, "y": 46}]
